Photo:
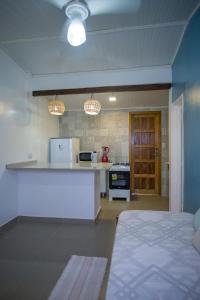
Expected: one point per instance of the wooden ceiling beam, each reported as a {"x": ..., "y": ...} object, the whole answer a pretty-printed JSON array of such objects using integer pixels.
[{"x": 104, "y": 89}]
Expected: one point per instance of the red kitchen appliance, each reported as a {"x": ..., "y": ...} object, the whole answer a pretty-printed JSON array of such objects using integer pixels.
[{"x": 105, "y": 149}]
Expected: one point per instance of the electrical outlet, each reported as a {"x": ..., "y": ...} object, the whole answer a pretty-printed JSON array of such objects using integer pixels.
[{"x": 30, "y": 155}]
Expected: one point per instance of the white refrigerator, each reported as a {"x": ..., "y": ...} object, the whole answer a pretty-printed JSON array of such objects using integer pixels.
[{"x": 64, "y": 150}]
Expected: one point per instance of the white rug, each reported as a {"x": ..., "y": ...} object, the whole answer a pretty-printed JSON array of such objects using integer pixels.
[{"x": 81, "y": 279}]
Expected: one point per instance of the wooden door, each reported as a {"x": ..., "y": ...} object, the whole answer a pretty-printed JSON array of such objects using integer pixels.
[{"x": 145, "y": 152}]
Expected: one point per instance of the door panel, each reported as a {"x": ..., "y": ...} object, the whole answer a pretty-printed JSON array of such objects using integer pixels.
[{"x": 144, "y": 152}]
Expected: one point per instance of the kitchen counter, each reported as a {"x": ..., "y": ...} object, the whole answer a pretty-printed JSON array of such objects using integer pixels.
[
  {"x": 81, "y": 166},
  {"x": 64, "y": 190}
]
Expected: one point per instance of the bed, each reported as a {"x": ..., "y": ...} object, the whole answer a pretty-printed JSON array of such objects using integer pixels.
[{"x": 153, "y": 257}]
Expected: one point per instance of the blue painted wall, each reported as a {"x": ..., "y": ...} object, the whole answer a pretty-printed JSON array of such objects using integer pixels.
[{"x": 186, "y": 80}]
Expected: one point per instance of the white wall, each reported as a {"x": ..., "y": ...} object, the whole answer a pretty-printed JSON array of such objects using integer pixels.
[{"x": 25, "y": 126}]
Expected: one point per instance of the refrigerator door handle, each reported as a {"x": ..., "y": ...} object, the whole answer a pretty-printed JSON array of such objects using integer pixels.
[{"x": 60, "y": 146}]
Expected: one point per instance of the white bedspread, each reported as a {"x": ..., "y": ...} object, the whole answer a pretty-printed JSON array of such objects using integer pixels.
[{"x": 153, "y": 258}]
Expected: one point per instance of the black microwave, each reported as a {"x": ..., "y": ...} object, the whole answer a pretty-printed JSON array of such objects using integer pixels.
[{"x": 87, "y": 156}]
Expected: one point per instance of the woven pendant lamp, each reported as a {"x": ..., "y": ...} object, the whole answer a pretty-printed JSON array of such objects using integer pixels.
[
  {"x": 56, "y": 107},
  {"x": 92, "y": 106}
]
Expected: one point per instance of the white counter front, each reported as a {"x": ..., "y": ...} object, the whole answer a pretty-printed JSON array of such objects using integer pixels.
[{"x": 59, "y": 191}]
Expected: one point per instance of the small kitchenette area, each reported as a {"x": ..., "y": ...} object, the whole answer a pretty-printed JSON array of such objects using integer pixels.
[{"x": 86, "y": 160}]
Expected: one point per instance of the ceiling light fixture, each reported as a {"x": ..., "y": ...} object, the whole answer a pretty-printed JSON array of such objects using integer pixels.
[
  {"x": 112, "y": 98},
  {"x": 56, "y": 107},
  {"x": 77, "y": 12},
  {"x": 92, "y": 106}
]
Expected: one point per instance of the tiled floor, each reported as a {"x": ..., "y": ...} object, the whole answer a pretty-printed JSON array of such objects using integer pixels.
[
  {"x": 34, "y": 253},
  {"x": 110, "y": 209}
]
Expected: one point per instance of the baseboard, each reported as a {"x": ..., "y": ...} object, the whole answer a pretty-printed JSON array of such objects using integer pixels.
[
  {"x": 54, "y": 220},
  {"x": 13, "y": 221}
]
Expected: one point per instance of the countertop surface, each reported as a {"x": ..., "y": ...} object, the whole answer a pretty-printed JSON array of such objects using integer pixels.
[{"x": 81, "y": 166}]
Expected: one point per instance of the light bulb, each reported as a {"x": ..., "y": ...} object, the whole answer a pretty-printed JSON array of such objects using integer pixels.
[
  {"x": 76, "y": 32},
  {"x": 112, "y": 99}
]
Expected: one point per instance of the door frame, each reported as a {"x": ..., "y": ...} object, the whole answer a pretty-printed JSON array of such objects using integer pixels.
[
  {"x": 176, "y": 153},
  {"x": 130, "y": 137}
]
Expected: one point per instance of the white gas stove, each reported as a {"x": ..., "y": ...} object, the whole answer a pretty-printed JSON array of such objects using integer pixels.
[{"x": 119, "y": 181}]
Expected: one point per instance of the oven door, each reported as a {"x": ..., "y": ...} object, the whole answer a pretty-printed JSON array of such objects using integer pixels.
[{"x": 119, "y": 180}]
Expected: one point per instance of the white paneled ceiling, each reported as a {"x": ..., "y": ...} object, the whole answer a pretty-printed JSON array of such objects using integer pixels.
[
  {"x": 121, "y": 34},
  {"x": 125, "y": 100}
]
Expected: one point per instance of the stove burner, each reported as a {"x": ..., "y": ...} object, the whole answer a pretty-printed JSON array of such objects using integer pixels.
[{"x": 120, "y": 167}]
